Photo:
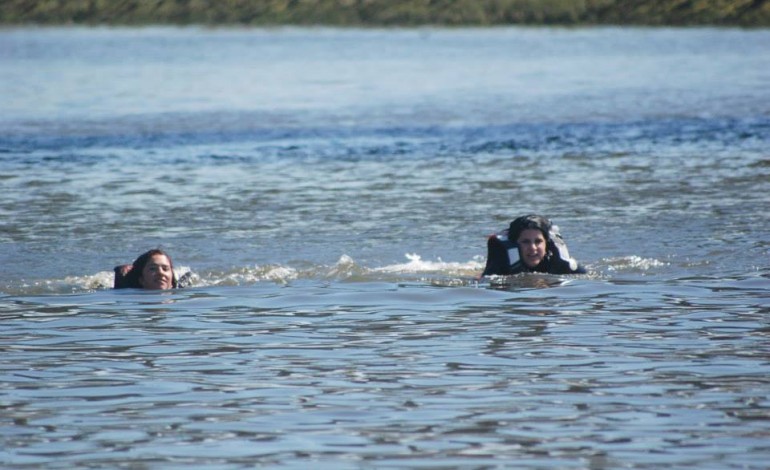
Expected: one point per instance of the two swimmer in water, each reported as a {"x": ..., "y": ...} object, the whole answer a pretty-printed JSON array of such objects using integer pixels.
[{"x": 535, "y": 240}]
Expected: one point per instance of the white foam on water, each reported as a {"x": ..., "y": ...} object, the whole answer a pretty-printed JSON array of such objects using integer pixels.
[
  {"x": 417, "y": 265},
  {"x": 632, "y": 262}
]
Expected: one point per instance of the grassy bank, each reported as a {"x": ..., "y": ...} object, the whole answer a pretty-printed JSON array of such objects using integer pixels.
[{"x": 748, "y": 13}]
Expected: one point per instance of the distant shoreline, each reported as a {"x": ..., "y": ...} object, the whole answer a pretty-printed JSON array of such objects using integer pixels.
[{"x": 384, "y": 13}]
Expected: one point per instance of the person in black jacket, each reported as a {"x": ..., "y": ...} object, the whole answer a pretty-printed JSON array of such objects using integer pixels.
[{"x": 538, "y": 244}]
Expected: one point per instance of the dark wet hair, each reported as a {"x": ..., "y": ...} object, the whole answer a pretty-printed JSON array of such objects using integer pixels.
[
  {"x": 133, "y": 276},
  {"x": 530, "y": 221}
]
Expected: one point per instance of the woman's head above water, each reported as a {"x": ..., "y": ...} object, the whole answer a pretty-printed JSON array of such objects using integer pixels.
[
  {"x": 531, "y": 234},
  {"x": 153, "y": 270}
]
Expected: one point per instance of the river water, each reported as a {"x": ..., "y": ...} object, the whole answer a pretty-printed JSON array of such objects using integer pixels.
[{"x": 330, "y": 193}]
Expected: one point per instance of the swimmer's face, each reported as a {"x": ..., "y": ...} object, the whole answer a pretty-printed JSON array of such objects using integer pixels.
[
  {"x": 157, "y": 273},
  {"x": 531, "y": 246}
]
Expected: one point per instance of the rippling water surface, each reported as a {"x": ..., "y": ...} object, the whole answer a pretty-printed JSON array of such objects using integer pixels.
[{"x": 331, "y": 191}]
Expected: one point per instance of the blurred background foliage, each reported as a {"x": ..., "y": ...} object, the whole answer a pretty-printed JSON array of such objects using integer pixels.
[{"x": 747, "y": 13}]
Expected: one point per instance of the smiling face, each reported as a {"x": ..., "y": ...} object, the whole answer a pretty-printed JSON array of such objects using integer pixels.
[
  {"x": 531, "y": 247},
  {"x": 157, "y": 273}
]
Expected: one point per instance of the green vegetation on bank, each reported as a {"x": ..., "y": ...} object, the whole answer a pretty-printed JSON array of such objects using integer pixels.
[{"x": 748, "y": 13}]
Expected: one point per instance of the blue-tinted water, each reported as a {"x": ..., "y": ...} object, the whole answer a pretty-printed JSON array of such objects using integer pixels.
[{"x": 331, "y": 192}]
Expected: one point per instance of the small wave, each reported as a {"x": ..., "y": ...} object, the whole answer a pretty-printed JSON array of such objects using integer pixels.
[
  {"x": 247, "y": 275},
  {"x": 417, "y": 265},
  {"x": 347, "y": 269},
  {"x": 633, "y": 263}
]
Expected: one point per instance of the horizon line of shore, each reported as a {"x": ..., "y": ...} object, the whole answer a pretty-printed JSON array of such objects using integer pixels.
[{"x": 387, "y": 13}]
